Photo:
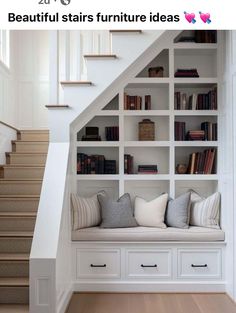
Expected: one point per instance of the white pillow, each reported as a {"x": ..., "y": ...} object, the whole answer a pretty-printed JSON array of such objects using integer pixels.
[
  {"x": 151, "y": 213},
  {"x": 205, "y": 212},
  {"x": 85, "y": 211}
]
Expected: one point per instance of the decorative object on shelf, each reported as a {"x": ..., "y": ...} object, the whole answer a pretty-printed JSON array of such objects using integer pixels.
[
  {"x": 197, "y": 135},
  {"x": 94, "y": 164},
  {"x": 146, "y": 130},
  {"x": 112, "y": 133},
  {"x": 180, "y": 131},
  {"x": 206, "y": 36},
  {"x": 147, "y": 169},
  {"x": 91, "y": 134},
  {"x": 202, "y": 162},
  {"x": 183, "y": 72},
  {"x": 201, "y": 101},
  {"x": 148, "y": 102},
  {"x": 128, "y": 164},
  {"x": 132, "y": 102},
  {"x": 181, "y": 169},
  {"x": 157, "y": 71}
]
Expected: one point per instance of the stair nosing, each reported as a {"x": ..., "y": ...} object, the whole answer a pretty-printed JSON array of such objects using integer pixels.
[
  {"x": 14, "y": 257},
  {"x": 19, "y": 282}
]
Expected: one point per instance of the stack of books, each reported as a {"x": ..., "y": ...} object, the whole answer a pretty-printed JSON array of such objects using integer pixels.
[
  {"x": 202, "y": 101},
  {"x": 94, "y": 164},
  {"x": 181, "y": 72},
  {"x": 202, "y": 162},
  {"x": 210, "y": 130},
  {"x": 128, "y": 164},
  {"x": 180, "y": 131},
  {"x": 132, "y": 102},
  {"x": 91, "y": 134},
  {"x": 147, "y": 169},
  {"x": 112, "y": 133},
  {"x": 196, "y": 135}
]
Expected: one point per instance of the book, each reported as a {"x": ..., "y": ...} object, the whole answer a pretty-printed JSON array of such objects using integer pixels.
[
  {"x": 147, "y": 169},
  {"x": 112, "y": 133},
  {"x": 181, "y": 72},
  {"x": 147, "y": 102},
  {"x": 128, "y": 164},
  {"x": 202, "y": 162},
  {"x": 179, "y": 131},
  {"x": 132, "y": 102}
]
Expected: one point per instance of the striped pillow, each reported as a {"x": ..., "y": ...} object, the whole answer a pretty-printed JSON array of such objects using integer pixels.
[
  {"x": 85, "y": 211},
  {"x": 205, "y": 212}
]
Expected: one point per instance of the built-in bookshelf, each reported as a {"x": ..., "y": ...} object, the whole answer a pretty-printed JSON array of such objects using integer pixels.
[{"x": 164, "y": 151}]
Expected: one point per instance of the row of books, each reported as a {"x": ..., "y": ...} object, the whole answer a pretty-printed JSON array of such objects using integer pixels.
[
  {"x": 202, "y": 162},
  {"x": 128, "y": 164},
  {"x": 201, "y": 36},
  {"x": 135, "y": 102},
  {"x": 181, "y": 72},
  {"x": 207, "y": 132},
  {"x": 201, "y": 101},
  {"x": 95, "y": 164},
  {"x": 112, "y": 133}
]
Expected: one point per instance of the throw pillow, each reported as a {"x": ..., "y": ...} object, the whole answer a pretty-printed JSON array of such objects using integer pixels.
[
  {"x": 85, "y": 211},
  {"x": 152, "y": 213},
  {"x": 205, "y": 212},
  {"x": 177, "y": 212},
  {"x": 116, "y": 214}
]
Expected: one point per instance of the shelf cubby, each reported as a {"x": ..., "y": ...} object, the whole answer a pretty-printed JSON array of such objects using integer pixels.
[
  {"x": 101, "y": 122},
  {"x": 87, "y": 188},
  {"x": 113, "y": 104},
  {"x": 131, "y": 124},
  {"x": 162, "y": 59},
  {"x": 203, "y": 187},
  {"x": 159, "y": 94},
  {"x": 204, "y": 60},
  {"x": 147, "y": 189},
  {"x": 150, "y": 156}
]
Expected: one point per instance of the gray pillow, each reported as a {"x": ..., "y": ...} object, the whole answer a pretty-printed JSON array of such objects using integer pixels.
[
  {"x": 116, "y": 214},
  {"x": 178, "y": 210}
]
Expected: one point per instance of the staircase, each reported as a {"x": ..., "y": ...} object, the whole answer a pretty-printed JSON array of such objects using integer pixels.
[{"x": 20, "y": 186}]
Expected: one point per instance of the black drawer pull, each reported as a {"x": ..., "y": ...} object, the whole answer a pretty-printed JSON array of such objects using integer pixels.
[
  {"x": 142, "y": 265},
  {"x": 96, "y": 265},
  {"x": 201, "y": 265}
]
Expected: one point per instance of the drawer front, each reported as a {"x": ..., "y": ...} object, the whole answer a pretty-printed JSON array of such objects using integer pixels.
[
  {"x": 98, "y": 263},
  {"x": 148, "y": 264},
  {"x": 202, "y": 264}
]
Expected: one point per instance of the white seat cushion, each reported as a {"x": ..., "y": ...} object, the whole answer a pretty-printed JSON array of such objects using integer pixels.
[{"x": 194, "y": 233}]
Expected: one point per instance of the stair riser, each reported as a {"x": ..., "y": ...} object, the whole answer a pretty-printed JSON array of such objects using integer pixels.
[
  {"x": 15, "y": 295},
  {"x": 17, "y": 173},
  {"x": 33, "y": 136},
  {"x": 14, "y": 268},
  {"x": 20, "y": 188},
  {"x": 17, "y": 224},
  {"x": 19, "y": 205},
  {"x": 30, "y": 147},
  {"x": 15, "y": 245},
  {"x": 26, "y": 159}
]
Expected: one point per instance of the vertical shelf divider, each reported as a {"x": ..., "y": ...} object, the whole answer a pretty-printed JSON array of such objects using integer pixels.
[{"x": 121, "y": 146}]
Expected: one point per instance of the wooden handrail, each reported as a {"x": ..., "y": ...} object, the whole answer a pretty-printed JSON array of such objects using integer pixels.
[
  {"x": 9, "y": 126},
  {"x": 57, "y": 106},
  {"x": 125, "y": 31},
  {"x": 100, "y": 56}
]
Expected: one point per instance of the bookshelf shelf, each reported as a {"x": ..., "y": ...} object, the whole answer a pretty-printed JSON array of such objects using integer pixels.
[
  {"x": 196, "y": 143},
  {"x": 98, "y": 144},
  {"x": 164, "y": 152},
  {"x": 196, "y": 112}
]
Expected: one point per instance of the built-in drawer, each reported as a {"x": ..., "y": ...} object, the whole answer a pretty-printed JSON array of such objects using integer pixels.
[
  {"x": 148, "y": 263},
  {"x": 98, "y": 263},
  {"x": 202, "y": 264}
]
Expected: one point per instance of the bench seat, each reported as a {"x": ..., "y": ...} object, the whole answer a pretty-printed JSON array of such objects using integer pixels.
[{"x": 193, "y": 233}]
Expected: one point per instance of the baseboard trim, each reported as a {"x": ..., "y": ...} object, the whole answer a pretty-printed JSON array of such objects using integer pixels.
[
  {"x": 65, "y": 300},
  {"x": 140, "y": 286}
]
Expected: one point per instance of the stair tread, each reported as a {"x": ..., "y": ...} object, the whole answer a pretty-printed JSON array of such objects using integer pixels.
[
  {"x": 14, "y": 256},
  {"x": 22, "y": 166},
  {"x": 2, "y": 180},
  {"x": 14, "y": 281},
  {"x": 30, "y": 141},
  {"x": 27, "y": 153},
  {"x": 33, "y": 131},
  {"x": 19, "y": 196},
  {"x": 16, "y": 234},
  {"x": 14, "y": 308},
  {"x": 18, "y": 214}
]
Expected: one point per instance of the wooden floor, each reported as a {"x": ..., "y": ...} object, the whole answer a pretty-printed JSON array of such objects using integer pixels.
[{"x": 151, "y": 303}]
